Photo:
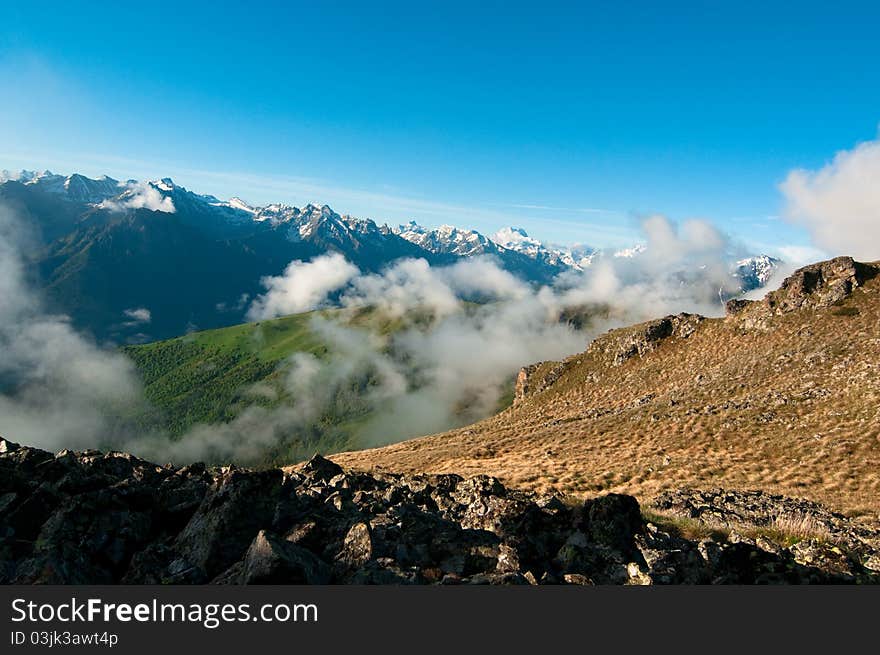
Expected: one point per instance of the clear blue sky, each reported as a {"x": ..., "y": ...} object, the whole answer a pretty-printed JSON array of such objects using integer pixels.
[{"x": 566, "y": 118}]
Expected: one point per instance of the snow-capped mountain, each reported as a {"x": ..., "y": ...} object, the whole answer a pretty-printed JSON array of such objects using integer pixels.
[
  {"x": 111, "y": 245},
  {"x": 515, "y": 238},
  {"x": 75, "y": 187},
  {"x": 756, "y": 271},
  {"x": 447, "y": 239},
  {"x": 536, "y": 265},
  {"x": 322, "y": 222},
  {"x": 629, "y": 253}
]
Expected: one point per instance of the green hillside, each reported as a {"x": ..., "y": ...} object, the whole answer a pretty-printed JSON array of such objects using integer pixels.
[
  {"x": 207, "y": 377},
  {"x": 212, "y": 377}
]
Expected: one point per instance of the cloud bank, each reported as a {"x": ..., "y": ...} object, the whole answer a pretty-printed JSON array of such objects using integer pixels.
[
  {"x": 57, "y": 388},
  {"x": 303, "y": 286},
  {"x": 840, "y": 203},
  {"x": 453, "y": 369}
]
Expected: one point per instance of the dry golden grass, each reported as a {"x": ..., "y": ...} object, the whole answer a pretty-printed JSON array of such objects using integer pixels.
[
  {"x": 794, "y": 409},
  {"x": 783, "y": 530}
]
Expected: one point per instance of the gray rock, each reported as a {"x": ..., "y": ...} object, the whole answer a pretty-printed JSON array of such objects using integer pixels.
[
  {"x": 273, "y": 560},
  {"x": 236, "y": 507}
]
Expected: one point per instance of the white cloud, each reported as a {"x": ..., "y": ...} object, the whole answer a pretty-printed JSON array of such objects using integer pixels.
[
  {"x": 141, "y": 195},
  {"x": 452, "y": 369},
  {"x": 840, "y": 203},
  {"x": 801, "y": 255},
  {"x": 138, "y": 315},
  {"x": 60, "y": 389},
  {"x": 302, "y": 287},
  {"x": 405, "y": 285},
  {"x": 481, "y": 278}
]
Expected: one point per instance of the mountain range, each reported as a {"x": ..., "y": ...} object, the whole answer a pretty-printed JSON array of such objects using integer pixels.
[{"x": 138, "y": 261}]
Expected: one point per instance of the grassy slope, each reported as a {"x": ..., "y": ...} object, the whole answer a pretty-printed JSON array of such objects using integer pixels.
[
  {"x": 210, "y": 377},
  {"x": 793, "y": 409},
  {"x": 205, "y": 377}
]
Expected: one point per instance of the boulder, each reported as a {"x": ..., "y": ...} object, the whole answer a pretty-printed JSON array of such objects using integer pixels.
[
  {"x": 640, "y": 340},
  {"x": 237, "y": 506},
  {"x": 273, "y": 560}
]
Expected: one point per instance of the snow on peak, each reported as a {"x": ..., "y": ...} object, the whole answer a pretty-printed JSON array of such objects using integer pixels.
[
  {"x": 239, "y": 204},
  {"x": 517, "y": 239},
  {"x": 446, "y": 239},
  {"x": 84, "y": 189},
  {"x": 630, "y": 252},
  {"x": 75, "y": 187},
  {"x": 23, "y": 176},
  {"x": 514, "y": 238},
  {"x": 756, "y": 271}
]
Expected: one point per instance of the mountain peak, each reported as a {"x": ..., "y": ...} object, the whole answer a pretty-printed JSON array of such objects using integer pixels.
[
  {"x": 446, "y": 239},
  {"x": 85, "y": 189},
  {"x": 237, "y": 203}
]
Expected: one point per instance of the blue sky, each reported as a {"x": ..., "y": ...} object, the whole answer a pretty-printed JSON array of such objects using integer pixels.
[{"x": 569, "y": 119}]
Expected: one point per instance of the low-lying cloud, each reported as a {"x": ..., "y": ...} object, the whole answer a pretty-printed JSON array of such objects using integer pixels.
[
  {"x": 453, "y": 369},
  {"x": 141, "y": 195},
  {"x": 303, "y": 286},
  {"x": 840, "y": 203},
  {"x": 57, "y": 388},
  {"x": 137, "y": 316}
]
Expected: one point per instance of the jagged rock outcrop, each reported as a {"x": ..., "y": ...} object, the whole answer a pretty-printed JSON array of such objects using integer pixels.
[
  {"x": 94, "y": 517},
  {"x": 818, "y": 285},
  {"x": 641, "y": 339},
  {"x": 534, "y": 378}
]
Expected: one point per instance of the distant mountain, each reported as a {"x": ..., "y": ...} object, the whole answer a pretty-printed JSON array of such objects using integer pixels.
[
  {"x": 74, "y": 187},
  {"x": 517, "y": 239},
  {"x": 755, "y": 272},
  {"x": 449, "y": 240},
  {"x": 193, "y": 261}
]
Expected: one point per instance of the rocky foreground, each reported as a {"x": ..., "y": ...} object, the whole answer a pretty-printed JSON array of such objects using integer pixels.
[{"x": 97, "y": 518}]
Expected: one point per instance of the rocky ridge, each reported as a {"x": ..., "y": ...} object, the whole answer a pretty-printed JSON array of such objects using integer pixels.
[
  {"x": 818, "y": 286},
  {"x": 92, "y": 517}
]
